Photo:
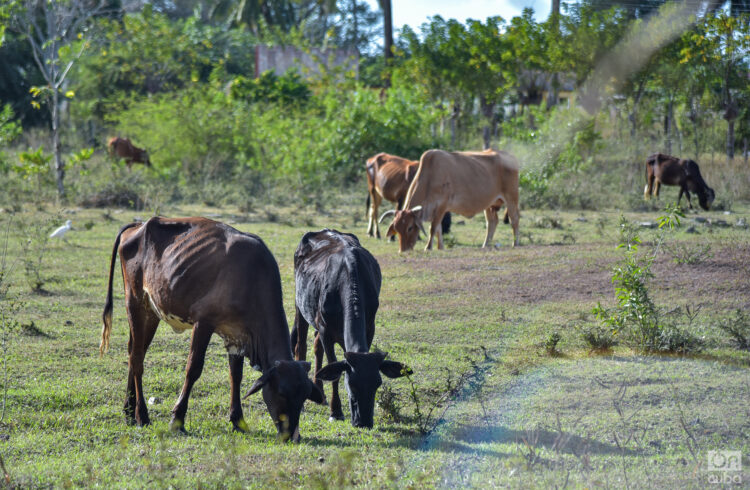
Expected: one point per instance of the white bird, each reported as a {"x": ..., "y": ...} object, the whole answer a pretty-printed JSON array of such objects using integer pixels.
[{"x": 60, "y": 232}]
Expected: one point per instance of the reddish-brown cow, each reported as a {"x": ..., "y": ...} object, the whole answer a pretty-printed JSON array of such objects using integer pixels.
[
  {"x": 669, "y": 170},
  {"x": 125, "y": 149},
  {"x": 206, "y": 277},
  {"x": 389, "y": 177}
]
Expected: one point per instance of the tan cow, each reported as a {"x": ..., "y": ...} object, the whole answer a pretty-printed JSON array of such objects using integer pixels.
[
  {"x": 125, "y": 149},
  {"x": 461, "y": 182}
]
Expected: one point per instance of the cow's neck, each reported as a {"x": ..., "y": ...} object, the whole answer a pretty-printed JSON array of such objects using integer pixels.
[
  {"x": 355, "y": 334},
  {"x": 276, "y": 348}
]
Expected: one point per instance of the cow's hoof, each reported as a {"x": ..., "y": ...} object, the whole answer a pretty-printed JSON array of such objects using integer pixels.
[
  {"x": 178, "y": 426},
  {"x": 241, "y": 426},
  {"x": 334, "y": 418}
]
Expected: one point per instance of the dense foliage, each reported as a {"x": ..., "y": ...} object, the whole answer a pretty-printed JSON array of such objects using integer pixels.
[{"x": 179, "y": 79}]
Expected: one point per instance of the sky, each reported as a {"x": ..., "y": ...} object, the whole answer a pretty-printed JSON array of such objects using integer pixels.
[{"x": 416, "y": 12}]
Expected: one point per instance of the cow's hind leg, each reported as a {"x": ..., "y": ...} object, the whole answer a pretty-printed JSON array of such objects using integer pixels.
[
  {"x": 198, "y": 344},
  {"x": 490, "y": 216},
  {"x": 372, "y": 224},
  {"x": 298, "y": 336},
  {"x": 143, "y": 324},
  {"x": 514, "y": 215},
  {"x": 236, "y": 364}
]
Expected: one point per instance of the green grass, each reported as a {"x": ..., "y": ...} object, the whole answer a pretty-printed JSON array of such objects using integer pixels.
[{"x": 440, "y": 312}]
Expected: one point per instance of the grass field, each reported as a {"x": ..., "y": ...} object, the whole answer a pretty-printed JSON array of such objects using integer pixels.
[{"x": 487, "y": 405}]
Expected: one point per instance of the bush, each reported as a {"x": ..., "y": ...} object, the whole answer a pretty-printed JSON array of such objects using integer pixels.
[
  {"x": 738, "y": 329},
  {"x": 635, "y": 315},
  {"x": 600, "y": 339}
]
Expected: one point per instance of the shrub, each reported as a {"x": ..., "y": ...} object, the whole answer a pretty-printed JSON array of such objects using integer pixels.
[
  {"x": 635, "y": 315},
  {"x": 690, "y": 254},
  {"x": 600, "y": 339},
  {"x": 738, "y": 329},
  {"x": 550, "y": 345}
]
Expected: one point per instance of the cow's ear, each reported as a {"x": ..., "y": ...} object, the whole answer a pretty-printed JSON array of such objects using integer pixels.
[
  {"x": 315, "y": 394},
  {"x": 305, "y": 365},
  {"x": 260, "y": 382},
  {"x": 332, "y": 371},
  {"x": 394, "y": 369}
]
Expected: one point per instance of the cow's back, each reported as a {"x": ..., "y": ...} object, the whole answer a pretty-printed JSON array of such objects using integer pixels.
[
  {"x": 195, "y": 268},
  {"x": 463, "y": 182},
  {"x": 335, "y": 277}
]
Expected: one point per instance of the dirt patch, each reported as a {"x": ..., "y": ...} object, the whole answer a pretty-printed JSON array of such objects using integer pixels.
[{"x": 579, "y": 273}]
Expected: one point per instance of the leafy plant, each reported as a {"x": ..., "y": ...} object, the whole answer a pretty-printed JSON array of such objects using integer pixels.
[
  {"x": 33, "y": 165},
  {"x": 635, "y": 315},
  {"x": 738, "y": 329},
  {"x": 689, "y": 254},
  {"x": 35, "y": 241},
  {"x": 599, "y": 338},
  {"x": 550, "y": 345},
  {"x": 9, "y": 307}
]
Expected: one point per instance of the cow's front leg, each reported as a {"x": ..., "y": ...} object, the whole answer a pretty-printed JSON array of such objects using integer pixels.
[
  {"x": 433, "y": 230},
  {"x": 298, "y": 336},
  {"x": 336, "y": 412},
  {"x": 236, "y": 364},
  {"x": 318, "y": 352},
  {"x": 198, "y": 344}
]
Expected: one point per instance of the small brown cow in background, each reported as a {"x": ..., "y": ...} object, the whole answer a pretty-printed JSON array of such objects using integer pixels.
[
  {"x": 669, "y": 170},
  {"x": 125, "y": 149}
]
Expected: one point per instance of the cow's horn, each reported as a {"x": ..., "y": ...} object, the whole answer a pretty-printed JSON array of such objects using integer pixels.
[
  {"x": 416, "y": 208},
  {"x": 387, "y": 213}
]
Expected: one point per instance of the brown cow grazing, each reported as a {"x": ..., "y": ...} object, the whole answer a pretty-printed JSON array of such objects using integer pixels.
[
  {"x": 463, "y": 182},
  {"x": 669, "y": 170},
  {"x": 389, "y": 177},
  {"x": 125, "y": 149},
  {"x": 200, "y": 275},
  {"x": 338, "y": 283}
]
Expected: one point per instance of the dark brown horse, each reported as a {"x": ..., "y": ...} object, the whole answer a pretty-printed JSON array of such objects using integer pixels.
[{"x": 669, "y": 170}]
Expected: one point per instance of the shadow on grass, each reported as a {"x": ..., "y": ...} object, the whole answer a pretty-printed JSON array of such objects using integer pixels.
[{"x": 561, "y": 441}]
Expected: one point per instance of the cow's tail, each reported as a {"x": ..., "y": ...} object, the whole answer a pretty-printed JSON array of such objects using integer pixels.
[
  {"x": 367, "y": 208},
  {"x": 107, "y": 315}
]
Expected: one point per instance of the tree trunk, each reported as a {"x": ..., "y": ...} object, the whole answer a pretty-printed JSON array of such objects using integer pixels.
[
  {"x": 454, "y": 117},
  {"x": 356, "y": 26},
  {"x": 730, "y": 139},
  {"x": 668, "y": 125},
  {"x": 488, "y": 108},
  {"x": 56, "y": 148},
  {"x": 388, "y": 38}
]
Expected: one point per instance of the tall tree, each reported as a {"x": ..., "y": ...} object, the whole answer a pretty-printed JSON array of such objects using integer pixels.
[
  {"x": 387, "y": 38},
  {"x": 723, "y": 44},
  {"x": 51, "y": 27}
]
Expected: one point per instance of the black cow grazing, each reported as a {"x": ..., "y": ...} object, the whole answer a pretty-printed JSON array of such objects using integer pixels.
[
  {"x": 200, "y": 275},
  {"x": 338, "y": 283},
  {"x": 668, "y": 170}
]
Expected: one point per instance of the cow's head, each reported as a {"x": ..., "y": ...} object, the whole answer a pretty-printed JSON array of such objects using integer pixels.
[
  {"x": 362, "y": 378},
  {"x": 285, "y": 389},
  {"x": 406, "y": 224},
  {"x": 145, "y": 159},
  {"x": 706, "y": 196}
]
